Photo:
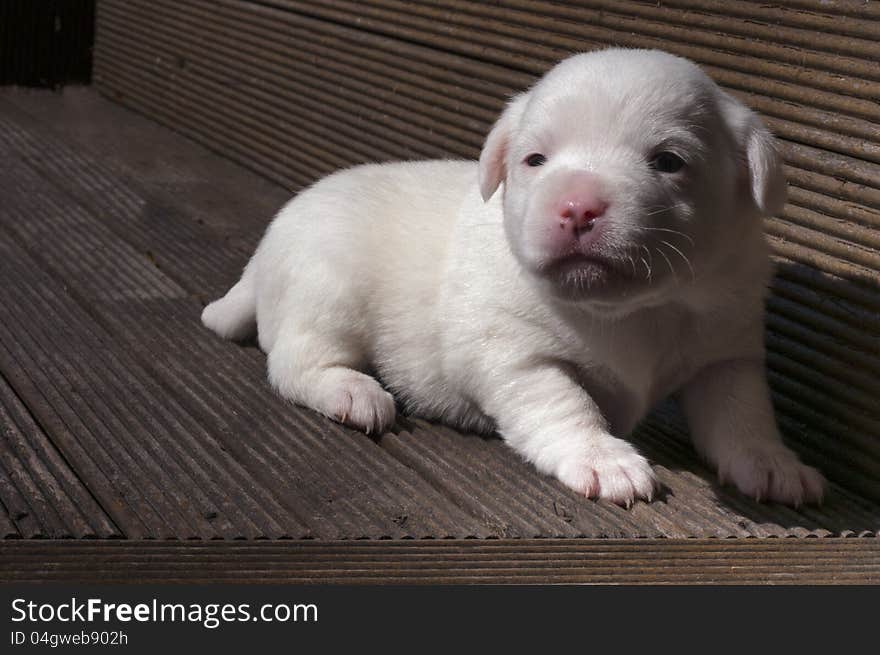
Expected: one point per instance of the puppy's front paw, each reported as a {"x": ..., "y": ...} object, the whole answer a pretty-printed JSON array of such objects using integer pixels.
[
  {"x": 771, "y": 472},
  {"x": 609, "y": 468}
]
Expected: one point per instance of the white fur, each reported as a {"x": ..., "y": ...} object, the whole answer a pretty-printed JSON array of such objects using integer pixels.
[{"x": 425, "y": 276}]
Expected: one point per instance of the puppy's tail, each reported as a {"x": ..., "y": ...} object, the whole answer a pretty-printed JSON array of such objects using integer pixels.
[{"x": 234, "y": 316}]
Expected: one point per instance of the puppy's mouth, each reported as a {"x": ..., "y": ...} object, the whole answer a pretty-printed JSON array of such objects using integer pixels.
[
  {"x": 592, "y": 275},
  {"x": 583, "y": 267}
]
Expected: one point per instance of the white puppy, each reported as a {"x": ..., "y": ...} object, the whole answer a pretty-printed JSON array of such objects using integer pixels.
[{"x": 622, "y": 260}]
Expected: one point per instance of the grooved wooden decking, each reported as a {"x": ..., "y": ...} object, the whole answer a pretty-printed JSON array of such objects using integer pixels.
[
  {"x": 579, "y": 561},
  {"x": 123, "y": 418}
]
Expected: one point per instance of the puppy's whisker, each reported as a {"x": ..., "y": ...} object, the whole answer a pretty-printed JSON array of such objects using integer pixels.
[
  {"x": 649, "y": 254},
  {"x": 647, "y": 271},
  {"x": 664, "y": 229},
  {"x": 653, "y": 211},
  {"x": 668, "y": 263},
  {"x": 686, "y": 260}
]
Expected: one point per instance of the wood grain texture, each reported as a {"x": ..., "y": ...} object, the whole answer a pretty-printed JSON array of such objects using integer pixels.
[
  {"x": 546, "y": 561},
  {"x": 176, "y": 434}
]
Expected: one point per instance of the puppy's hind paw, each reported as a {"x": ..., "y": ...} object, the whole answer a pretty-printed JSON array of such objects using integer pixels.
[{"x": 360, "y": 402}]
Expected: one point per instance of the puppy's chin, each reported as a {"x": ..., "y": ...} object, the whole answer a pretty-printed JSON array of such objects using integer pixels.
[
  {"x": 605, "y": 285},
  {"x": 579, "y": 277}
]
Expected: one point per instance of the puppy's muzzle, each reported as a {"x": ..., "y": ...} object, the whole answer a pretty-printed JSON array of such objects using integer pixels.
[{"x": 579, "y": 211}]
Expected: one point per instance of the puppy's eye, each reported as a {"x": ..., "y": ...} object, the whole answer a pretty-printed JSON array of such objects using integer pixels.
[
  {"x": 667, "y": 162},
  {"x": 536, "y": 159}
]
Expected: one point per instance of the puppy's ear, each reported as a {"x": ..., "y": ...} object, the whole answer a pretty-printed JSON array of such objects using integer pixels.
[
  {"x": 761, "y": 163},
  {"x": 493, "y": 168},
  {"x": 766, "y": 174}
]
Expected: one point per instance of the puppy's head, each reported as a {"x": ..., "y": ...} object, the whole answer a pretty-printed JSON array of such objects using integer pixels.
[{"x": 628, "y": 173}]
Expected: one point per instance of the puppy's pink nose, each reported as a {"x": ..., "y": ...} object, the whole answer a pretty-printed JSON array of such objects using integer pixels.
[{"x": 581, "y": 211}]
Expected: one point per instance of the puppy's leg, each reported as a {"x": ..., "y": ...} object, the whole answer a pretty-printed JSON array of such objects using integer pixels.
[
  {"x": 733, "y": 426},
  {"x": 234, "y": 316},
  {"x": 552, "y": 421},
  {"x": 320, "y": 372}
]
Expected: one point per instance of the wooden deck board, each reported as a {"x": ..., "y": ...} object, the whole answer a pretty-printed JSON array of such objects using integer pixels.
[
  {"x": 42, "y": 495},
  {"x": 297, "y": 90},
  {"x": 110, "y": 256},
  {"x": 646, "y": 561},
  {"x": 334, "y": 483}
]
